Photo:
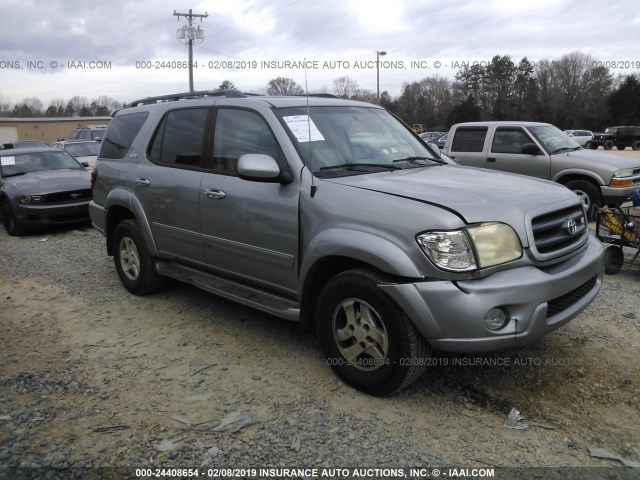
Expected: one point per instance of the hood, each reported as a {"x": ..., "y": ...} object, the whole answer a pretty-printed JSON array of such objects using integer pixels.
[
  {"x": 595, "y": 158},
  {"x": 476, "y": 195},
  {"x": 51, "y": 181}
]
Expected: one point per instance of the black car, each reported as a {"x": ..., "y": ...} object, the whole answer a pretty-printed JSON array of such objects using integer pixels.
[
  {"x": 41, "y": 187},
  {"x": 620, "y": 137},
  {"x": 94, "y": 133}
]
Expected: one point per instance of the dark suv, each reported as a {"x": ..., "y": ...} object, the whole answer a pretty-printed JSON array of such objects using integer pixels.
[
  {"x": 620, "y": 137},
  {"x": 335, "y": 214},
  {"x": 92, "y": 133}
]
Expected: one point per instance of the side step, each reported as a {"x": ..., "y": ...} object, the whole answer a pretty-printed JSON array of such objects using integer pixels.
[{"x": 267, "y": 302}]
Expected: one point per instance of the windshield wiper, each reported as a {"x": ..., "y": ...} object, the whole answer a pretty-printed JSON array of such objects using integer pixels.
[
  {"x": 571, "y": 149},
  {"x": 417, "y": 159},
  {"x": 352, "y": 166},
  {"x": 13, "y": 174}
]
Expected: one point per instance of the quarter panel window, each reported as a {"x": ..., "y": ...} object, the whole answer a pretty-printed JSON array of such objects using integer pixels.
[{"x": 122, "y": 130}]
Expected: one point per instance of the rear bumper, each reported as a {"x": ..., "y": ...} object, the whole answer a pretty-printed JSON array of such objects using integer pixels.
[{"x": 539, "y": 300}]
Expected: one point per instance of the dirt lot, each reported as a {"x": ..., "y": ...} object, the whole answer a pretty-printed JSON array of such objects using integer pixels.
[{"x": 91, "y": 375}]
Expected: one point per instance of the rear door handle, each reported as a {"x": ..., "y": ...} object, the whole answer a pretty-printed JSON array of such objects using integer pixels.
[
  {"x": 214, "y": 193},
  {"x": 491, "y": 159},
  {"x": 143, "y": 182}
]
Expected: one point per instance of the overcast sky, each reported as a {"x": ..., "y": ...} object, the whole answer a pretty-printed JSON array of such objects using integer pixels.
[{"x": 44, "y": 42}]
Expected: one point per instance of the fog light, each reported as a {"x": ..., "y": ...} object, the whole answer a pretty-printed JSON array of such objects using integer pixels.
[{"x": 496, "y": 318}]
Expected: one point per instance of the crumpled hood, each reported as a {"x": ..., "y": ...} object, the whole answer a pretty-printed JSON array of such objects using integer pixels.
[
  {"x": 477, "y": 195},
  {"x": 51, "y": 181}
]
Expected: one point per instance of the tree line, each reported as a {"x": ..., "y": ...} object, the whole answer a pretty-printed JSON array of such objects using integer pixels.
[{"x": 575, "y": 91}]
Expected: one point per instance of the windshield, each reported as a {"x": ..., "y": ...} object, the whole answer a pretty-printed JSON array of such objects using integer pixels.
[
  {"x": 553, "y": 139},
  {"x": 353, "y": 140},
  {"x": 84, "y": 149},
  {"x": 24, "y": 163}
]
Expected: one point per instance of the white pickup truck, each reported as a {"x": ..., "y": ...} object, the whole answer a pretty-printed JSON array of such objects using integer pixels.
[{"x": 542, "y": 150}]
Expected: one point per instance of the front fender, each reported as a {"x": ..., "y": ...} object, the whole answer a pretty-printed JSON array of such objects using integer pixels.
[
  {"x": 373, "y": 250},
  {"x": 577, "y": 172}
]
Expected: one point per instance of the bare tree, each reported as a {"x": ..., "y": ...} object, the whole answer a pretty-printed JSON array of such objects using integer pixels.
[
  {"x": 283, "y": 86},
  {"x": 345, "y": 87},
  {"x": 226, "y": 84}
]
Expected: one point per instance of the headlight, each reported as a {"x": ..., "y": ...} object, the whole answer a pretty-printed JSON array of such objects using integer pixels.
[
  {"x": 28, "y": 199},
  {"x": 621, "y": 178},
  {"x": 477, "y": 246}
]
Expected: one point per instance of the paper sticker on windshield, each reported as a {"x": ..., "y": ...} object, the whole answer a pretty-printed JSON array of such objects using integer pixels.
[
  {"x": 6, "y": 161},
  {"x": 303, "y": 128}
]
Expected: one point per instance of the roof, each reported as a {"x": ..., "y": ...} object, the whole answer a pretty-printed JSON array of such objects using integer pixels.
[
  {"x": 514, "y": 123},
  {"x": 15, "y": 151}
]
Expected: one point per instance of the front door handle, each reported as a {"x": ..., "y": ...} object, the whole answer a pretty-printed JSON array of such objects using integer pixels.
[
  {"x": 491, "y": 159},
  {"x": 214, "y": 193},
  {"x": 143, "y": 182}
]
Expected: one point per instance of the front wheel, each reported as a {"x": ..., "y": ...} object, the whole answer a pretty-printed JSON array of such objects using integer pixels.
[
  {"x": 367, "y": 339},
  {"x": 589, "y": 195},
  {"x": 134, "y": 263},
  {"x": 620, "y": 147},
  {"x": 608, "y": 144},
  {"x": 635, "y": 145},
  {"x": 613, "y": 259},
  {"x": 9, "y": 221},
  {"x": 587, "y": 145}
]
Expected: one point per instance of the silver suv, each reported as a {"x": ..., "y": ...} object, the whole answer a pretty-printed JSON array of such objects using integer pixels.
[{"x": 335, "y": 214}]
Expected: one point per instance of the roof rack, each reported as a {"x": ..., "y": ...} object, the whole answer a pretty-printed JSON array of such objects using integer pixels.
[
  {"x": 227, "y": 92},
  {"x": 321, "y": 95}
]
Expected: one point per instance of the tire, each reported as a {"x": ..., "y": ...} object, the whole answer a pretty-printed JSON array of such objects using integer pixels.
[
  {"x": 134, "y": 263},
  {"x": 587, "y": 145},
  {"x": 608, "y": 144},
  {"x": 593, "y": 146},
  {"x": 620, "y": 147},
  {"x": 613, "y": 260},
  {"x": 588, "y": 193},
  {"x": 635, "y": 145},
  {"x": 9, "y": 221},
  {"x": 351, "y": 307}
]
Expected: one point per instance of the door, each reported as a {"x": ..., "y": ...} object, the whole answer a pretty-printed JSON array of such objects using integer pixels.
[
  {"x": 169, "y": 185},
  {"x": 506, "y": 154},
  {"x": 250, "y": 229}
]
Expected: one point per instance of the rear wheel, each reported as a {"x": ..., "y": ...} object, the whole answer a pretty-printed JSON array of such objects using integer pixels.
[
  {"x": 368, "y": 340},
  {"x": 635, "y": 145},
  {"x": 589, "y": 195},
  {"x": 134, "y": 263},
  {"x": 608, "y": 144},
  {"x": 9, "y": 219}
]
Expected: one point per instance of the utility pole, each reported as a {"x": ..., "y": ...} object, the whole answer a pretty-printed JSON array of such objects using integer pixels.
[{"x": 191, "y": 34}]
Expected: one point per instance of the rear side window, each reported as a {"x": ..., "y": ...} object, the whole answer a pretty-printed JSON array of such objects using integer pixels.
[
  {"x": 469, "y": 139},
  {"x": 122, "y": 130},
  {"x": 178, "y": 140}
]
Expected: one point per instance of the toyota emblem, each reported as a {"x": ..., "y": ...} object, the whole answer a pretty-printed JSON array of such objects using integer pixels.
[{"x": 570, "y": 226}]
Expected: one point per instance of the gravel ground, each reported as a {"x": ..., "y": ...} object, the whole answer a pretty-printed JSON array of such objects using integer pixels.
[{"x": 92, "y": 376}]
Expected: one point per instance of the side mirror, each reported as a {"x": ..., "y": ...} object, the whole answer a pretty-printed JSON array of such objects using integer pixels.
[
  {"x": 530, "y": 149},
  {"x": 84, "y": 164},
  {"x": 436, "y": 150},
  {"x": 258, "y": 167}
]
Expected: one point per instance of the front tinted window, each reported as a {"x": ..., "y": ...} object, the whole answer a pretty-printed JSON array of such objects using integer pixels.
[
  {"x": 238, "y": 132},
  {"x": 509, "y": 140},
  {"x": 178, "y": 140},
  {"x": 469, "y": 139},
  {"x": 122, "y": 130}
]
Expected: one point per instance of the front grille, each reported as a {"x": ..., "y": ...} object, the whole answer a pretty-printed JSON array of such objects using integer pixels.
[
  {"x": 560, "y": 304},
  {"x": 560, "y": 232},
  {"x": 68, "y": 197}
]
